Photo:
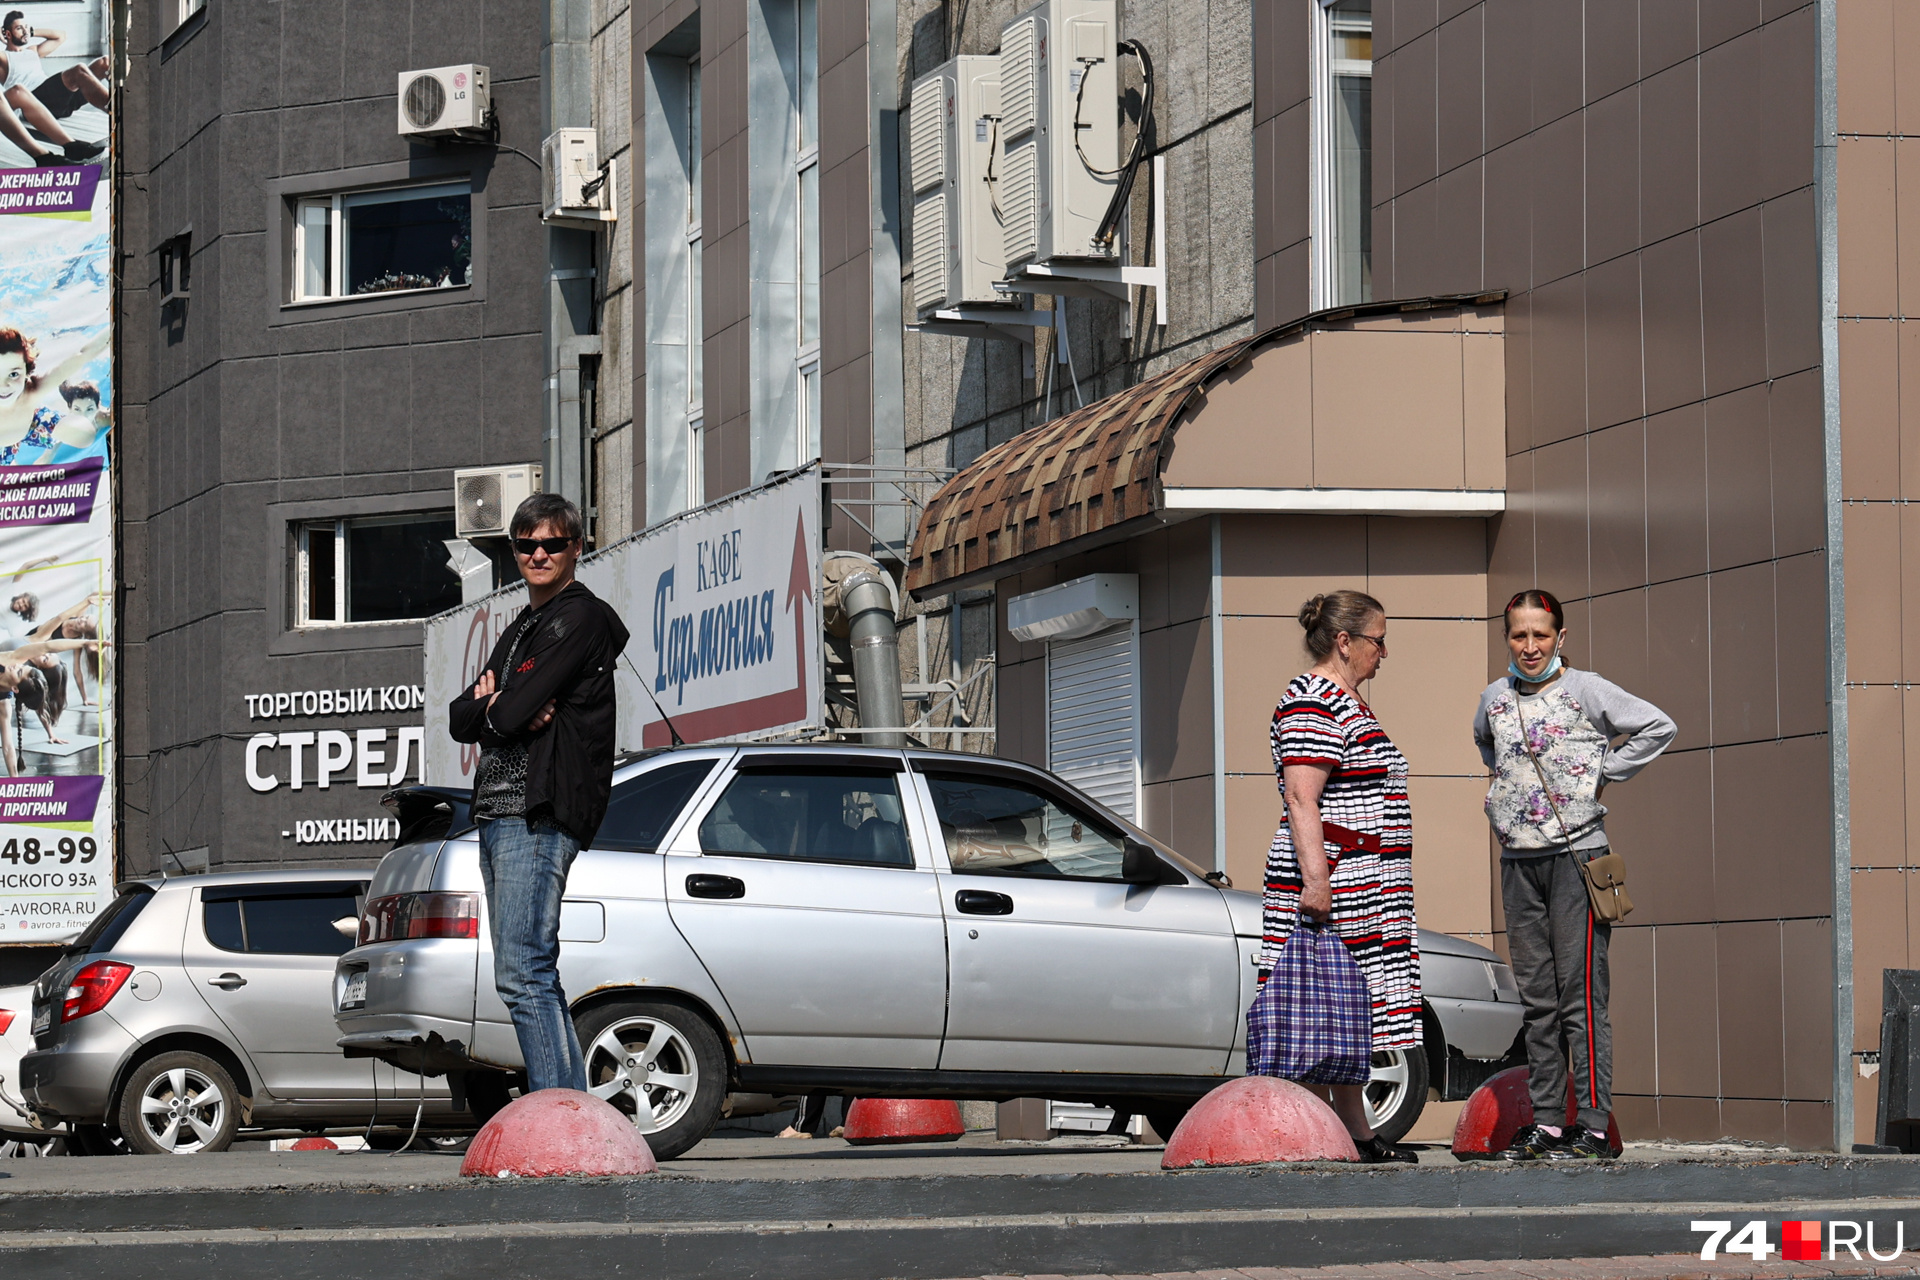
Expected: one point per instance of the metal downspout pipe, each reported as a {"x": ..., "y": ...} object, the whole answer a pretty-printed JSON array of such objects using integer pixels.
[{"x": 866, "y": 596}]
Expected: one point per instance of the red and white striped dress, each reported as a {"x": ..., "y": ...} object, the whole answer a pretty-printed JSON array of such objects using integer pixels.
[{"x": 1318, "y": 722}]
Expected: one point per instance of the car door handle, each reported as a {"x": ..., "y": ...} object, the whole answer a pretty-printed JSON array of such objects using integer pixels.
[
  {"x": 982, "y": 902},
  {"x": 716, "y": 887},
  {"x": 227, "y": 981}
]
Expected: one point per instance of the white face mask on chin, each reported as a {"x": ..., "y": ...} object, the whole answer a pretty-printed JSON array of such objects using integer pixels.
[{"x": 1553, "y": 669}]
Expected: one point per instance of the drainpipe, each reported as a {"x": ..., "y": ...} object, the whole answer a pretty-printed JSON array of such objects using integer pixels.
[{"x": 866, "y": 597}]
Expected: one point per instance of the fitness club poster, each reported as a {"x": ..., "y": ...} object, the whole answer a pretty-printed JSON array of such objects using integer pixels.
[{"x": 57, "y": 864}]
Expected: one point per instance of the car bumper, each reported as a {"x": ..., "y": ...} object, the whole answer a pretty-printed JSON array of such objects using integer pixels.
[
  {"x": 74, "y": 1078},
  {"x": 426, "y": 1046}
]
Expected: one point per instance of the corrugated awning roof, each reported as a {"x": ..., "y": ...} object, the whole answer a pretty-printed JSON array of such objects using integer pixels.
[{"x": 1089, "y": 476}]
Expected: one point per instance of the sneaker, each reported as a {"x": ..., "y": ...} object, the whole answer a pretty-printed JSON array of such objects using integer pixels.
[
  {"x": 1532, "y": 1143},
  {"x": 1377, "y": 1150},
  {"x": 1584, "y": 1145},
  {"x": 77, "y": 151},
  {"x": 50, "y": 159}
]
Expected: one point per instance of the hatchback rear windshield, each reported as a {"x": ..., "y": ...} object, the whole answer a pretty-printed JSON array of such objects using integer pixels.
[{"x": 107, "y": 928}]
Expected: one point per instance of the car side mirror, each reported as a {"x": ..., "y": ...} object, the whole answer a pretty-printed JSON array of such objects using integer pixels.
[{"x": 1139, "y": 864}]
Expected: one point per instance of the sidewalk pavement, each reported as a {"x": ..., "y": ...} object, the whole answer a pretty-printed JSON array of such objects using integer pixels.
[{"x": 1665, "y": 1266}]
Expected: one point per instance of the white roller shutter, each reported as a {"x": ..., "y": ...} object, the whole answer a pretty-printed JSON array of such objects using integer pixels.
[{"x": 1093, "y": 716}]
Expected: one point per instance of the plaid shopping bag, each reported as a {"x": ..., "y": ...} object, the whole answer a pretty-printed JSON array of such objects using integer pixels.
[{"x": 1313, "y": 1020}]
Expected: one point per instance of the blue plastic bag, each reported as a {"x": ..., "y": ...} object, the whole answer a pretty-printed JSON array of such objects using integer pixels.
[{"x": 1313, "y": 1020}]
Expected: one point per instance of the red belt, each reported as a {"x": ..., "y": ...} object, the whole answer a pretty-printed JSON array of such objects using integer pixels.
[{"x": 1347, "y": 838}]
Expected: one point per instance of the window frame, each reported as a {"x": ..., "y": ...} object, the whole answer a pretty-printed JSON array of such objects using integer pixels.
[
  {"x": 695, "y": 308},
  {"x": 337, "y": 205},
  {"x": 1326, "y": 72},
  {"x": 807, "y": 240},
  {"x": 686, "y": 839},
  {"x": 240, "y": 895},
  {"x": 1084, "y": 808},
  {"x": 303, "y": 531}
]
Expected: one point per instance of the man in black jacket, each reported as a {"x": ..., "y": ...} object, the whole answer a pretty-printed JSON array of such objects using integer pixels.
[{"x": 543, "y": 714}]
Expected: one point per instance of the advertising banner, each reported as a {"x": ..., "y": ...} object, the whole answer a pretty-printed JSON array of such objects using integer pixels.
[
  {"x": 57, "y": 856},
  {"x": 724, "y": 606}
]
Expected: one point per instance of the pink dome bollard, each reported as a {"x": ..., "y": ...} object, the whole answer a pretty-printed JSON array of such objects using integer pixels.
[
  {"x": 1499, "y": 1109},
  {"x": 1257, "y": 1120},
  {"x": 314, "y": 1144},
  {"x": 554, "y": 1133},
  {"x": 873, "y": 1122}
]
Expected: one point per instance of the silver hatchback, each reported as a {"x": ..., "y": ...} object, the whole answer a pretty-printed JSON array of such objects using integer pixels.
[
  {"x": 193, "y": 1007},
  {"x": 865, "y": 922}
]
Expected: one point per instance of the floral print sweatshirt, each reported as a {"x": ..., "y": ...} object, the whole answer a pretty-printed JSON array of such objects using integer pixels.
[{"x": 1571, "y": 724}]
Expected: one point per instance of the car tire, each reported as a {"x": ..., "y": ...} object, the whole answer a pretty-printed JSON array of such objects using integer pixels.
[
  {"x": 1397, "y": 1094},
  {"x": 179, "y": 1103},
  {"x": 660, "y": 1063}
]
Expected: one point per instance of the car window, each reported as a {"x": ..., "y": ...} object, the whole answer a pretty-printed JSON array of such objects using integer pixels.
[
  {"x": 108, "y": 927},
  {"x": 291, "y": 920},
  {"x": 997, "y": 826},
  {"x": 642, "y": 808},
  {"x": 818, "y": 815}
]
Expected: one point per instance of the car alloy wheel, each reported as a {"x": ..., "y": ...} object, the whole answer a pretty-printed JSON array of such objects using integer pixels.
[
  {"x": 1397, "y": 1093},
  {"x": 646, "y": 1069},
  {"x": 11, "y": 1148},
  {"x": 659, "y": 1062},
  {"x": 179, "y": 1104}
]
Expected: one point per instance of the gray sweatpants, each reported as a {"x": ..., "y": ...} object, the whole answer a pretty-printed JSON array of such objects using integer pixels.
[{"x": 1559, "y": 954}]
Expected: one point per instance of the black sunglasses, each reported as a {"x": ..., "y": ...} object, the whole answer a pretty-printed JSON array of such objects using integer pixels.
[{"x": 552, "y": 546}]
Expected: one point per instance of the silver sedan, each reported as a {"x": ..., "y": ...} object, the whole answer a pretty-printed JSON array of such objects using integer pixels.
[{"x": 865, "y": 922}]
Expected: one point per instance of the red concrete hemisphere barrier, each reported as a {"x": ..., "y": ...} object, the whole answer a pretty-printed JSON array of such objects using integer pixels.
[
  {"x": 554, "y": 1133},
  {"x": 878, "y": 1121},
  {"x": 1499, "y": 1109},
  {"x": 315, "y": 1144},
  {"x": 1257, "y": 1120}
]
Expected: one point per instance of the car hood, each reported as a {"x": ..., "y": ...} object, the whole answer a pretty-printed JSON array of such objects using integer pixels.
[{"x": 1244, "y": 907}]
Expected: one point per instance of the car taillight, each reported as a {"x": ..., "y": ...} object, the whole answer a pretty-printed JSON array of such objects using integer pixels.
[
  {"x": 421, "y": 915},
  {"x": 6, "y": 1020},
  {"x": 92, "y": 987}
]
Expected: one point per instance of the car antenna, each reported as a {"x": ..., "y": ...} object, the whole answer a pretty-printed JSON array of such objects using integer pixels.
[{"x": 678, "y": 741}]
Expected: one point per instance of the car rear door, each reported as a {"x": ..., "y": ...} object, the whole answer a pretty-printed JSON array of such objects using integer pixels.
[
  {"x": 800, "y": 887},
  {"x": 1056, "y": 965},
  {"x": 262, "y": 957}
]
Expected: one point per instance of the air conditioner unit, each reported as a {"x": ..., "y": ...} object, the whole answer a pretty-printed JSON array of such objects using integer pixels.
[
  {"x": 445, "y": 102},
  {"x": 1059, "y": 137},
  {"x": 951, "y": 141},
  {"x": 578, "y": 190},
  {"x": 484, "y": 497}
]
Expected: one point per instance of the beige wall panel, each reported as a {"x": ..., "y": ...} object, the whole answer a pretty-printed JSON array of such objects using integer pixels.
[
  {"x": 1402, "y": 432},
  {"x": 1483, "y": 365},
  {"x": 1750, "y": 1010},
  {"x": 1181, "y": 814},
  {"x": 1906, "y": 69},
  {"x": 1660, "y": 822},
  {"x": 1870, "y": 409},
  {"x": 1909, "y": 519},
  {"x": 1810, "y": 1124},
  {"x": 1255, "y": 428},
  {"x": 1879, "y": 943},
  {"x": 1452, "y": 882},
  {"x": 1687, "y": 982},
  {"x": 1907, "y": 219},
  {"x": 1021, "y": 711},
  {"x": 1630, "y": 1007},
  {"x": 1878, "y": 781},
  {"x": 1274, "y": 564},
  {"x": 1685, "y": 1119},
  {"x": 1864, "y": 35},
  {"x": 1176, "y": 703},
  {"x": 1421, "y": 568},
  {"x": 1806, "y": 968},
  {"x": 1754, "y": 1120},
  {"x": 1426, "y": 692},
  {"x": 1435, "y": 321},
  {"x": 1909, "y": 339},
  {"x": 1147, "y": 555},
  {"x": 1262, "y": 655},
  {"x": 1253, "y": 815},
  {"x": 1874, "y": 607},
  {"x": 1770, "y": 830},
  {"x": 1189, "y": 570},
  {"x": 1868, "y": 245}
]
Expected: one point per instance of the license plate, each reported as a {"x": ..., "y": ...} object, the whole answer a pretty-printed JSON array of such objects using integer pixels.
[
  {"x": 355, "y": 995},
  {"x": 42, "y": 1019}
]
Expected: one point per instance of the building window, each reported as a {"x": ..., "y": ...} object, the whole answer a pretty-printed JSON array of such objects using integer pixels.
[
  {"x": 1343, "y": 152},
  {"x": 404, "y": 239},
  {"x": 187, "y": 8},
  {"x": 674, "y": 246},
  {"x": 696, "y": 345},
  {"x": 176, "y": 268},
  {"x": 806, "y": 110},
  {"x": 374, "y": 569}
]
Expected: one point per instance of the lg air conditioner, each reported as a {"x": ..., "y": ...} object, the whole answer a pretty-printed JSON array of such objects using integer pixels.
[
  {"x": 1059, "y": 130},
  {"x": 445, "y": 102},
  {"x": 577, "y": 189},
  {"x": 952, "y": 138},
  {"x": 484, "y": 497}
]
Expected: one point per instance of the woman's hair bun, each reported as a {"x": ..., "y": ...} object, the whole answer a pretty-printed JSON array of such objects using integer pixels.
[
  {"x": 1324, "y": 617},
  {"x": 1310, "y": 613}
]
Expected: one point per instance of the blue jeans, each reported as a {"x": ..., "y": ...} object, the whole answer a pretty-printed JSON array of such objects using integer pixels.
[{"x": 525, "y": 867}]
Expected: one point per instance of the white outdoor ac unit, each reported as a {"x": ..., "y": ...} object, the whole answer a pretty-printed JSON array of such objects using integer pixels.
[
  {"x": 1059, "y": 141},
  {"x": 484, "y": 497},
  {"x": 578, "y": 190},
  {"x": 951, "y": 140},
  {"x": 445, "y": 102}
]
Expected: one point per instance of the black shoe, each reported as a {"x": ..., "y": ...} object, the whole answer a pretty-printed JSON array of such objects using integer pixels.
[
  {"x": 49, "y": 159},
  {"x": 1377, "y": 1150},
  {"x": 77, "y": 150},
  {"x": 1532, "y": 1143},
  {"x": 1584, "y": 1145}
]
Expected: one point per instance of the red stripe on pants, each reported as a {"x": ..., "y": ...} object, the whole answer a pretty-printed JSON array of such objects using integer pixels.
[{"x": 1593, "y": 1087}]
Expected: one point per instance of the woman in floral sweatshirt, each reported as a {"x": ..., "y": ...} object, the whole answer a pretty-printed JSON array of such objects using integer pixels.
[{"x": 1547, "y": 733}]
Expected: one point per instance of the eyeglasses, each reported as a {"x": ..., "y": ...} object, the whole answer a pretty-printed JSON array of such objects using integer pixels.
[
  {"x": 1381, "y": 641},
  {"x": 552, "y": 546}
]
